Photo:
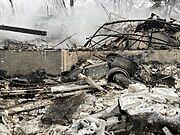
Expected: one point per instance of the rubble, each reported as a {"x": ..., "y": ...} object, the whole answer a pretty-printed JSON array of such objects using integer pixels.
[
  {"x": 4, "y": 130},
  {"x": 61, "y": 111},
  {"x": 113, "y": 91},
  {"x": 88, "y": 125}
]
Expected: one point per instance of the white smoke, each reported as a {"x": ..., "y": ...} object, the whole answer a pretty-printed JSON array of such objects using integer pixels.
[{"x": 60, "y": 22}]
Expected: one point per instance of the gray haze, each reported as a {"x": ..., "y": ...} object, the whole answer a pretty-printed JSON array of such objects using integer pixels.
[{"x": 84, "y": 18}]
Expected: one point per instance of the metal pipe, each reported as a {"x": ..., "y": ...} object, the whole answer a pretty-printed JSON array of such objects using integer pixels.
[{"x": 23, "y": 30}]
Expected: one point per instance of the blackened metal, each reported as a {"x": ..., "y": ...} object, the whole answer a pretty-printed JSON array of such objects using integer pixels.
[
  {"x": 97, "y": 70},
  {"x": 149, "y": 25},
  {"x": 154, "y": 23},
  {"x": 114, "y": 71},
  {"x": 110, "y": 58},
  {"x": 122, "y": 80},
  {"x": 115, "y": 60},
  {"x": 119, "y": 76},
  {"x": 23, "y": 30}
]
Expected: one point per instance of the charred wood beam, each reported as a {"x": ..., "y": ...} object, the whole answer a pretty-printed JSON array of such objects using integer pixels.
[
  {"x": 23, "y": 30},
  {"x": 59, "y": 90},
  {"x": 54, "y": 90},
  {"x": 29, "y": 107}
]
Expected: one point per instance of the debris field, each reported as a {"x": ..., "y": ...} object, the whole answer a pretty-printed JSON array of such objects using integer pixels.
[{"x": 127, "y": 83}]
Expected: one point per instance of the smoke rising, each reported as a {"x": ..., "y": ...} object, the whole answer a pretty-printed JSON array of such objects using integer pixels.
[{"x": 61, "y": 20}]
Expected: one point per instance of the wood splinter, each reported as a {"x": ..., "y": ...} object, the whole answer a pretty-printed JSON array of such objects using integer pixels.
[{"x": 92, "y": 83}]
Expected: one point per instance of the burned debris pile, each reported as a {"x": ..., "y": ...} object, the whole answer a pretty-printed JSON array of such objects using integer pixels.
[
  {"x": 155, "y": 33},
  {"x": 125, "y": 86},
  {"x": 20, "y": 46}
]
